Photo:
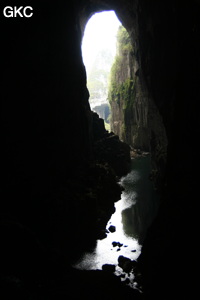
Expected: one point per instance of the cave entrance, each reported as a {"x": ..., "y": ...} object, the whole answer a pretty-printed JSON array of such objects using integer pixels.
[
  {"x": 114, "y": 81},
  {"x": 99, "y": 50}
]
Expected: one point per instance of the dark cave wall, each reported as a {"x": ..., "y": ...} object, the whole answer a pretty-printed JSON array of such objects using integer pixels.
[
  {"x": 41, "y": 60},
  {"x": 175, "y": 36},
  {"x": 45, "y": 120}
]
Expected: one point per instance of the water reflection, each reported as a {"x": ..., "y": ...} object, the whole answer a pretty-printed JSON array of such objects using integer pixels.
[
  {"x": 107, "y": 253},
  {"x": 130, "y": 226},
  {"x": 138, "y": 217},
  {"x": 133, "y": 214}
]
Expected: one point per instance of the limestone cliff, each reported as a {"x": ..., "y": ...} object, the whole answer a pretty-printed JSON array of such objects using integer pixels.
[
  {"x": 134, "y": 116},
  {"x": 129, "y": 109}
]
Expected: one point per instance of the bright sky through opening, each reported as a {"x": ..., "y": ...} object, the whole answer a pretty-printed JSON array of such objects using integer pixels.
[{"x": 100, "y": 33}]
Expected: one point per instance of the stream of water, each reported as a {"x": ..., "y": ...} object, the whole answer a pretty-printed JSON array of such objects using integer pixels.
[{"x": 134, "y": 213}]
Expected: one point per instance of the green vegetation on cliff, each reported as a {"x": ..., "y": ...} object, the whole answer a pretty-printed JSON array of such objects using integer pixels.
[
  {"x": 121, "y": 84},
  {"x": 123, "y": 40}
]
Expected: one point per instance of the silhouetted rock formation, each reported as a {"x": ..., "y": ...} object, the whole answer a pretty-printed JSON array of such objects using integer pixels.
[{"x": 109, "y": 149}]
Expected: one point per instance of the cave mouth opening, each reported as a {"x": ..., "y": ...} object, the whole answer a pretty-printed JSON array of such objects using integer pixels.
[
  {"x": 125, "y": 229},
  {"x": 139, "y": 202},
  {"x": 98, "y": 52}
]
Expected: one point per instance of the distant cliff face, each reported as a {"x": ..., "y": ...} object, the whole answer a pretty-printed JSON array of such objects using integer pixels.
[
  {"x": 134, "y": 117},
  {"x": 129, "y": 109}
]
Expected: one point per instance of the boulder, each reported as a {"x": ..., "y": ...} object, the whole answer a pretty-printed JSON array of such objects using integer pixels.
[
  {"x": 112, "y": 228},
  {"x": 115, "y": 244},
  {"x": 108, "y": 268},
  {"x": 125, "y": 263}
]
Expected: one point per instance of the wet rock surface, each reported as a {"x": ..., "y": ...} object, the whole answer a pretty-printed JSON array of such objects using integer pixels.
[
  {"x": 126, "y": 263},
  {"x": 115, "y": 244},
  {"x": 108, "y": 268},
  {"x": 112, "y": 228}
]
